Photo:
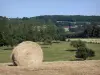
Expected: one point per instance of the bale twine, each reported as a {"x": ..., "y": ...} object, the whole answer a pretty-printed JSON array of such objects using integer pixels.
[{"x": 27, "y": 54}]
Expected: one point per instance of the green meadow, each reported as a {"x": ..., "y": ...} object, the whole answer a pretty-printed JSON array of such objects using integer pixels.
[{"x": 56, "y": 52}]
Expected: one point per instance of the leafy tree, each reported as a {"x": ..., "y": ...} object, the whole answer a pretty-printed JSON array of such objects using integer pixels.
[
  {"x": 91, "y": 53},
  {"x": 48, "y": 40},
  {"x": 3, "y": 23},
  {"x": 84, "y": 53},
  {"x": 78, "y": 44},
  {"x": 61, "y": 33},
  {"x": 2, "y": 41},
  {"x": 92, "y": 31}
]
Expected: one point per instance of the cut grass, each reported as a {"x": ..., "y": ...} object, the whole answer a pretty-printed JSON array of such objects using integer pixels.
[
  {"x": 5, "y": 54},
  {"x": 56, "y": 52}
]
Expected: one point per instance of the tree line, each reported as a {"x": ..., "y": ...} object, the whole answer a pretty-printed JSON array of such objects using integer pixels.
[
  {"x": 89, "y": 31},
  {"x": 44, "y": 28},
  {"x": 16, "y": 30},
  {"x": 70, "y": 18}
]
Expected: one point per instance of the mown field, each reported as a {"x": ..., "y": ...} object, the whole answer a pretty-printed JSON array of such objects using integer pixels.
[
  {"x": 88, "y": 40},
  {"x": 56, "y": 52}
]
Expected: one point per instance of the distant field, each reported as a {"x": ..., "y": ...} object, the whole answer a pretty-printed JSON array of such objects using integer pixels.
[
  {"x": 56, "y": 52},
  {"x": 88, "y": 40}
]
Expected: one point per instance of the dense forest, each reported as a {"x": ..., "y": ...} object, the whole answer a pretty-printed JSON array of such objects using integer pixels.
[{"x": 47, "y": 28}]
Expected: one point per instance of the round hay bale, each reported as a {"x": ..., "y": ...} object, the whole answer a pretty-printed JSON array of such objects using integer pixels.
[{"x": 27, "y": 54}]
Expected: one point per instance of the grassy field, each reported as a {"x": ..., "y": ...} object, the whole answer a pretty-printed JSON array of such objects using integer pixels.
[
  {"x": 56, "y": 52},
  {"x": 88, "y": 40}
]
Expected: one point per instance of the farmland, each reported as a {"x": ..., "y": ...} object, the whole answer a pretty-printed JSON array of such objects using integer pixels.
[
  {"x": 88, "y": 40},
  {"x": 56, "y": 52},
  {"x": 59, "y": 59},
  {"x": 88, "y": 67}
]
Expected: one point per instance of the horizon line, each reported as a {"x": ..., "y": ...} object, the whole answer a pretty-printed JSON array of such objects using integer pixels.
[{"x": 48, "y": 15}]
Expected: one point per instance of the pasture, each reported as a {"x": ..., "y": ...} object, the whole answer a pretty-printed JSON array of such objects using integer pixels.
[{"x": 56, "y": 52}]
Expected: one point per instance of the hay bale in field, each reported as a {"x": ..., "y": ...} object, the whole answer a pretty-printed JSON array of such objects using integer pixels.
[{"x": 27, "y": 54}]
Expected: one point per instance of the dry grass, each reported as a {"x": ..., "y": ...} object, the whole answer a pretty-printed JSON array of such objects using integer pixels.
[
  {"x": 90, "y": 67},
  {"x": 88, "y": 40},
  {"x": 27, "y": 53}
]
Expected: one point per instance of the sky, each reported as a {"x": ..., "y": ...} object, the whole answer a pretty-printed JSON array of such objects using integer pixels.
[{"x": 30, "y": 8}]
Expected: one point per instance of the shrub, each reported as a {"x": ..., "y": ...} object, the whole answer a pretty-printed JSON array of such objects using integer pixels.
[
  {"x": 47, "y": 42},
  {"x": 84, "y": 53},
  {"x": 91, "y": 53},
  {"x": 78, "y": 44}
]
